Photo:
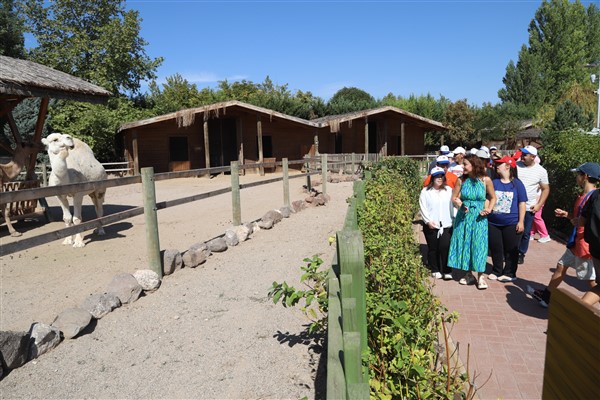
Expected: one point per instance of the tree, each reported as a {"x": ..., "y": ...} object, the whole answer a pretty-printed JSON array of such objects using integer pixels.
[
  {"x": 459, "y": 120},
  {"x": 12, "y": 40},
  {"x": 176, "y": 94},
  {"x": 94, "y": 40},
  {"x": 559, "y": 46},
  {"x": 349, "y": 99}
]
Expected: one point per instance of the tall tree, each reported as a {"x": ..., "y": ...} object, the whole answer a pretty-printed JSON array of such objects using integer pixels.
[
  {"x": 557, "y": 51},
  {"x": 459, "y": 120},
  {"x": 12, "y": 40},
  {"x": 350, "y": 99},
  {"x": 98, "y": 41}
]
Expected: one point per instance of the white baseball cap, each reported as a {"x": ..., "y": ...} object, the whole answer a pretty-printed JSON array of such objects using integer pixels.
[
  {"x": 442, "y": 160},
  {"x": 445, "y": 149},
  {"x": 484, "y": 148},
  {"x": 529, "y": 150},
  {"x": 437, "y": 171},
  {"x": 460, "y": 150}
]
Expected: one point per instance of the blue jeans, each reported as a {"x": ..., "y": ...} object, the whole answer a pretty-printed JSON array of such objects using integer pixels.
[{"x": 527, "y": 222}]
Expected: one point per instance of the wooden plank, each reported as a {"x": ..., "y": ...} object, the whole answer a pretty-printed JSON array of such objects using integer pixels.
[
  {"x": 150, "y": 217},
  {"x": 260, "y": 144},
  {"x": 572, "y": 349},
  {"x": 37, "y": 135},
  {"x": 350, "y": 251},
  {"x": 206, "y": 145},
  {"x": 235, "y": 194},
  {"x": 352, "y": 358},
  {"x": 349, "y": 317},
  {"x": 336, "y": 385}
]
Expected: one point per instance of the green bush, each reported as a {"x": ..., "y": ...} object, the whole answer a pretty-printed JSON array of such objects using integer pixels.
[
  {"x": 403, "y": 316},
  {"x": 562, "y": 152}
]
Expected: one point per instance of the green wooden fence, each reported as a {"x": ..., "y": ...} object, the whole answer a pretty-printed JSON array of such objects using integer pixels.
[{"x": 347, "y": 378}]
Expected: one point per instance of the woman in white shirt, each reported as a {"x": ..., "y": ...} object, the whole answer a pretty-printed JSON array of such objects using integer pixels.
[{"x": 437, "y": 211}]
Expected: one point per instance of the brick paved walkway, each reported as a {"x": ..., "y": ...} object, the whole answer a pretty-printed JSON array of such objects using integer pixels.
[{"x": 504, "y": 326}]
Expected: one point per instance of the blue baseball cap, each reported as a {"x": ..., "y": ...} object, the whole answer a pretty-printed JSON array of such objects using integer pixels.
[{"x": 591, "y": 169}]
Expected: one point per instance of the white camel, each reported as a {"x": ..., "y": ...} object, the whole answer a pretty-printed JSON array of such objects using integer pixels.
[
  {"x": 73, "y": 161},
  {"x": 12, "y": 169}
]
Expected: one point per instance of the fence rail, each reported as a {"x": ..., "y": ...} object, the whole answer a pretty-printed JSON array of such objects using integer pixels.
[
  {"x": 38, "y": 193},
  {"x": 347, "y": 378}
]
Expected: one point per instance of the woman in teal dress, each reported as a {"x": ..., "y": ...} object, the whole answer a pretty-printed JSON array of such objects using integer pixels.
[{"x": 474, "y": 196}]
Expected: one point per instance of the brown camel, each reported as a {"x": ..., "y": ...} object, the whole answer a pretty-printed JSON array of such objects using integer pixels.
[{"x": 10, "y": 171}]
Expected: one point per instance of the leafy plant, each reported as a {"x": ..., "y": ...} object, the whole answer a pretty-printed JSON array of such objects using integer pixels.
[{"x": 314, "y": 279}]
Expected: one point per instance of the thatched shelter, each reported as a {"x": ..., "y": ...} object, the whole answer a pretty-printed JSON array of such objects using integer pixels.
[
  {"x": 22, "y": 79},
  {"x": 216, "y": 134}
]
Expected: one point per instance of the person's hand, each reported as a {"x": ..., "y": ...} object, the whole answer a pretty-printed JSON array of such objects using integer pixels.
[
  {"x": 520, "y": 227},
  {"x": 432, "y": 225},
  {"x": 561, "y": 213},
  {"x": 485, "y": 212},
  {"x": 535, "y": 208}
]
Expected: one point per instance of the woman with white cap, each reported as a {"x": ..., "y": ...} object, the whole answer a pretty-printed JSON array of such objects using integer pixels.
[{"x": 437, "y": 212}]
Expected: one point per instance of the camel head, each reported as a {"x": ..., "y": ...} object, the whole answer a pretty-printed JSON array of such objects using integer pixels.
[{"x": 58, "y": 142}]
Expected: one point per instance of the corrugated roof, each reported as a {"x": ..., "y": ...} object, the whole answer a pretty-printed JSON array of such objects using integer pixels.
[
  {"x": 332, "y": 121},
  {"x": 23, "y": 78}
]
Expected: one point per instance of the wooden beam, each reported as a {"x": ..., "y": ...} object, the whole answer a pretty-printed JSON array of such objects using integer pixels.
[
  {"x": 366, "y": 138},
  {"x": 260, "y": 144},
  {"x": 385, "y": 138},
  {"x": 402, "y": 151},
  {"x": 13, "y": 128},
  {"x": 37, "y": 136},
  {"x": 239, "y": 131},
  {"x": 206, "y": 147},
  {"x": 136, "y": 153},
  {"x": 7, "y": 106}
]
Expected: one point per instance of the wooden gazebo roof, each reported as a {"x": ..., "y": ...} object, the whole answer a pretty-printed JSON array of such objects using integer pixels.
[
  {"x": 22, "y": 79},
  {"x": 25, "y": 79}
]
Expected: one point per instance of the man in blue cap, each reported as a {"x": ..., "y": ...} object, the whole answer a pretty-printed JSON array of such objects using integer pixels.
[{"x": 535, "y": 178}]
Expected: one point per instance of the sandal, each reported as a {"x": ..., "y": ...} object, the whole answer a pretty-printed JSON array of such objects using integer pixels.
[
  {"x": 481, "y": 283},
  {"x": 468, "y": 279}
]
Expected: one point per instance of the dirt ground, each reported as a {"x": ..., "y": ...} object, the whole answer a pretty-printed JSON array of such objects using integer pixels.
[{"x": 209, "y": 332}]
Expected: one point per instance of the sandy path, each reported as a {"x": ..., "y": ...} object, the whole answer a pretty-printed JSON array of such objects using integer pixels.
[{"x": 209, "y": 332}]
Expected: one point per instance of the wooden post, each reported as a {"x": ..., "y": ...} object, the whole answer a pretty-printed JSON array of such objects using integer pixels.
[
  {"x": 352, "y": 358},
  {"x": 37, "y": 136},
  {"x": 324, "y": 172},
  {"x": 44, "y": 175},
  {"x": 350, "y": 251},
  {"x": 235, "y": 193},
  {"x": 240, "y": 140},
  {"x": 353, "y": 163},
  {"x": 260, "y": 145},
  {"x": 152, "y": 241},
  {"x": 336, "y": 388},
  {"x": 366, "y": 139},
  {"x": 316, "y": 142},
  {"x": 206, "y": 147},
  {"x": 136, "y": 156},
  {"x": 308, "y": 184},
  {"x": 286, "y": 182},
  {"x": 402, "y": 152},
  {"x": 385, "y": 138}
]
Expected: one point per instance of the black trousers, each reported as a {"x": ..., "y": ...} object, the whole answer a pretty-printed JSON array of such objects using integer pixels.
[
  {"x": 504, "y": 247},
  {"x": 437, "y": 249}
]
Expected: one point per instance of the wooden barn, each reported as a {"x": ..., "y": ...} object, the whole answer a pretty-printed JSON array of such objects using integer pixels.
[{"x": 216, "y": 134}]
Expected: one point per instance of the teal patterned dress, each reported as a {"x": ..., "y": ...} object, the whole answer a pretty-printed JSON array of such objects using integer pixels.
[{"x": 469, "y": 243}]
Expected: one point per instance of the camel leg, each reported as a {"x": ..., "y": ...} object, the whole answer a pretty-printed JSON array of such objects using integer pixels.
[
  {"x": 98, "y": 200},
  {"x": 77, "y": 205},
  {"x": 6, "y": 213},
  {"x": 67, "y": 217}
]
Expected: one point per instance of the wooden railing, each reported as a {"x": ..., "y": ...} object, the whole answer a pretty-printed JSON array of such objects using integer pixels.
[{"x": 347, "y": 378}]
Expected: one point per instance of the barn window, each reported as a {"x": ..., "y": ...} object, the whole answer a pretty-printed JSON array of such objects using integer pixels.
[{"x": 178, "y": 149}]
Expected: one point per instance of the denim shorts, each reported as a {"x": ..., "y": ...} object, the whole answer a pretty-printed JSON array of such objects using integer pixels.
[{"x": 583, "y": 266}]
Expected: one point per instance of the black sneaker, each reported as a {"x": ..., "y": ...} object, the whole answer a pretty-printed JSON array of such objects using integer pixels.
[{"x": 521, "y": 259}]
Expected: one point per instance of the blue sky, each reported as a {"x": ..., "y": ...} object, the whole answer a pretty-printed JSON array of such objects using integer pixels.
[{"x": 458, "y": 49}]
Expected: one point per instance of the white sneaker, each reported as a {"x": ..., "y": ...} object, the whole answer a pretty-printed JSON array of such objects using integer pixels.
[
  {"x": 492, "y": 277},
  {"x": 544, "y": 239},
  {"x": 531, "y": 237},
  {"x": 436, "y": 275},
  {"x": 447, "y": 277}
]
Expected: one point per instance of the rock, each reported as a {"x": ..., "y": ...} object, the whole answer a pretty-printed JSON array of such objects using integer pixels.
[
  {"x": 321, "y": 199},
  {"x": 298, "y": 205},
  {"x": 125, "y": 287},
  {"x": 72, "y": 321},
  {"x": 101, "y": 304},
  {"x": 14, "y": 348},
  {"x": 172, "y": 261},
  {"x": 274, "y": 215},
  {"x": 217, "y": 245},
  {"x": 309, "y": 199},
  {"x": 231, "y": 238},
  {"x": 252, "y": 227},
  {"x": 285, "y": 211},
  {"x": 43, "y": 339},
  {"x": 241, "y": 231},
  {"x": 265, "y": 224},
  {"x": 194, "y": 256},
  {"x": 147, "y": 279}
]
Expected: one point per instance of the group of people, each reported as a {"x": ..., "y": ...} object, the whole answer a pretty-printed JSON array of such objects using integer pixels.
[{"x": 481, "y": 202}]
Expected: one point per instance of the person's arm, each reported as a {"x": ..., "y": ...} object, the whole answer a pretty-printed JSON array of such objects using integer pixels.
[
  {"x": 522, "y": 210},
  {"x": 545, "y": 192},
  {"x": 456, "y": 194},
  {"x": 491, "y": 196},
  {"x": 425, "y": 210}
]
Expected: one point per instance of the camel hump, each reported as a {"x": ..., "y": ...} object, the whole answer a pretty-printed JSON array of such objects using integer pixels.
[{"x": 82, "y": 159}]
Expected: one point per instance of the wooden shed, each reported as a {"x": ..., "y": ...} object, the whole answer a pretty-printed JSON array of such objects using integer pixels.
[{"x": 216, "y": 134}]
